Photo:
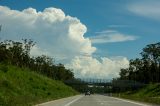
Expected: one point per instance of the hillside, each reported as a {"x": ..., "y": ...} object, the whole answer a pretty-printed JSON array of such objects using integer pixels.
[
  {"x": 150, "y": 94},
  {"x": 24, "y": 87}
]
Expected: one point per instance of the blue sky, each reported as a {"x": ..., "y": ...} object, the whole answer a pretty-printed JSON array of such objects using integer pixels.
[
  {"x": 101, "y": 15},
  {"x": 115, "y": 27}
]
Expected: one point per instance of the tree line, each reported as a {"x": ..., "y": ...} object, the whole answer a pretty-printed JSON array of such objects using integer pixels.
[
  {"x": 18, "y": 54},
  {"x": 145, "y": 69}
]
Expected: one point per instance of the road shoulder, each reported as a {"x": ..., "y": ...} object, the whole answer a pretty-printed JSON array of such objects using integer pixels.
[
  {"x": 134, "y": 102},
  {"x": 62, "y": 102}
]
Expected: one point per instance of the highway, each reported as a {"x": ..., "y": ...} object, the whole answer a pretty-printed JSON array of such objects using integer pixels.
[{"x": 93, "y": 100}]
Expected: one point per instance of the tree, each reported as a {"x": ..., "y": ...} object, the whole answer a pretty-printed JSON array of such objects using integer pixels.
[
  {"x": 124, "y": 74},
  {"x": 145, "y": 69},
  {"x": 18, "y": 53},
  {"x": 151, "y": 56}
]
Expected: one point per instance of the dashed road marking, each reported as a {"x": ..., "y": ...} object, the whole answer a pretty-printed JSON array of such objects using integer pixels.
[{"x": 68, "y": 104}]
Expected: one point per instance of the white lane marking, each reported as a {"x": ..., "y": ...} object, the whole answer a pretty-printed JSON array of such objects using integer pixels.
[
  {"x": 52, "y": 102},
  {"x": 102, "y": 103},
  {"x": 130, "y": 101},
  {"x": 73, "y": 101}
]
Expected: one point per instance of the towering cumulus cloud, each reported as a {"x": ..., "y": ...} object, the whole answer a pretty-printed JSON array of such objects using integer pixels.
[
  {"x": 92, "y": 68},
  {"x": 59, "y": 36},
  {"x": 55, "y": 33}
]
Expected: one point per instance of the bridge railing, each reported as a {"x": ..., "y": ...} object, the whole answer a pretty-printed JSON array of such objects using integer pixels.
[{"x": 88, "y": 81}]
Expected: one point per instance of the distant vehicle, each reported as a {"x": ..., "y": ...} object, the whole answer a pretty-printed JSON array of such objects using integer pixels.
[{"x": 87, "y": 93}]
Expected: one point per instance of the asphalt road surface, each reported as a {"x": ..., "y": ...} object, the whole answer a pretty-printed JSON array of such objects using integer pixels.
[{"x": 92, "y": 100}]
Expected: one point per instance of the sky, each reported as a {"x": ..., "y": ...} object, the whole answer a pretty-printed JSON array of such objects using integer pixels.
[{"x": 94, "y": 38}]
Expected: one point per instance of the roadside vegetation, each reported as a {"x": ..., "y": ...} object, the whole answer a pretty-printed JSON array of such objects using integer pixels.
[
  {"x": 145, "y": 69},
  {"x": 21, "y": 86},
  {"x": 28, "y": 80},
  {"x": 141, "y": 81},
  {"x": 18, "y": 54},
  {"x": 150, "y": 93}
]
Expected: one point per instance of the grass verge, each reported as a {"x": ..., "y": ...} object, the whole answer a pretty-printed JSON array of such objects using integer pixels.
[
  {"x": 150, "y": 94},
  {"x": 22, "y": 87}
]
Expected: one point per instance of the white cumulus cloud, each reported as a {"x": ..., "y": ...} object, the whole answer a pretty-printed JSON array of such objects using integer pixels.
[
  {"x": 89, "y": 67},
  {"x": 109, "y": 36},
  {"x": 53, "y": 31},
  {"x": 59, "y": 36}
]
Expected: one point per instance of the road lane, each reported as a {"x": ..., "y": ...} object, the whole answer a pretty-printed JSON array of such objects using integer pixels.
[
  {"x": 62, "y": 102},
  {"x": 101, "y": 100},
  {"x": 93, "y": 100}
]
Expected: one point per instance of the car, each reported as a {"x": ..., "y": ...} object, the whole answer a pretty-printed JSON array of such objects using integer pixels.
[{"x": 87, "y": 93}]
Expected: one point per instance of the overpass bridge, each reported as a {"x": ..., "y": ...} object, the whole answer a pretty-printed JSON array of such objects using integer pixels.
[
  {"x": 89, "y": 81},
  {"x": 94, "y": 85},
  {"x": 103, "y": 85}
]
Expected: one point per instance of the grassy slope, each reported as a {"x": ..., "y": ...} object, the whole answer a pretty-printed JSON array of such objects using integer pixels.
[
  {"x": 23, "y": 87},
  {"x": 150, "y": 94}
]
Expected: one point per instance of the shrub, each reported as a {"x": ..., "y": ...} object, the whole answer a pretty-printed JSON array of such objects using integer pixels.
[{"x": 4, "y": 68}]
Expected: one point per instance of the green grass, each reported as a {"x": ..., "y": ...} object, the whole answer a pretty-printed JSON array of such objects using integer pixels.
[
  {"x": 22, "y": 87},
  {"x": 150, "y": 94}
]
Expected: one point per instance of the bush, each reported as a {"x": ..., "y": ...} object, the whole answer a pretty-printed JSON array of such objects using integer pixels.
[
  {"x": 4, "y": 68},
  {"x": 6, "y": 83}
]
